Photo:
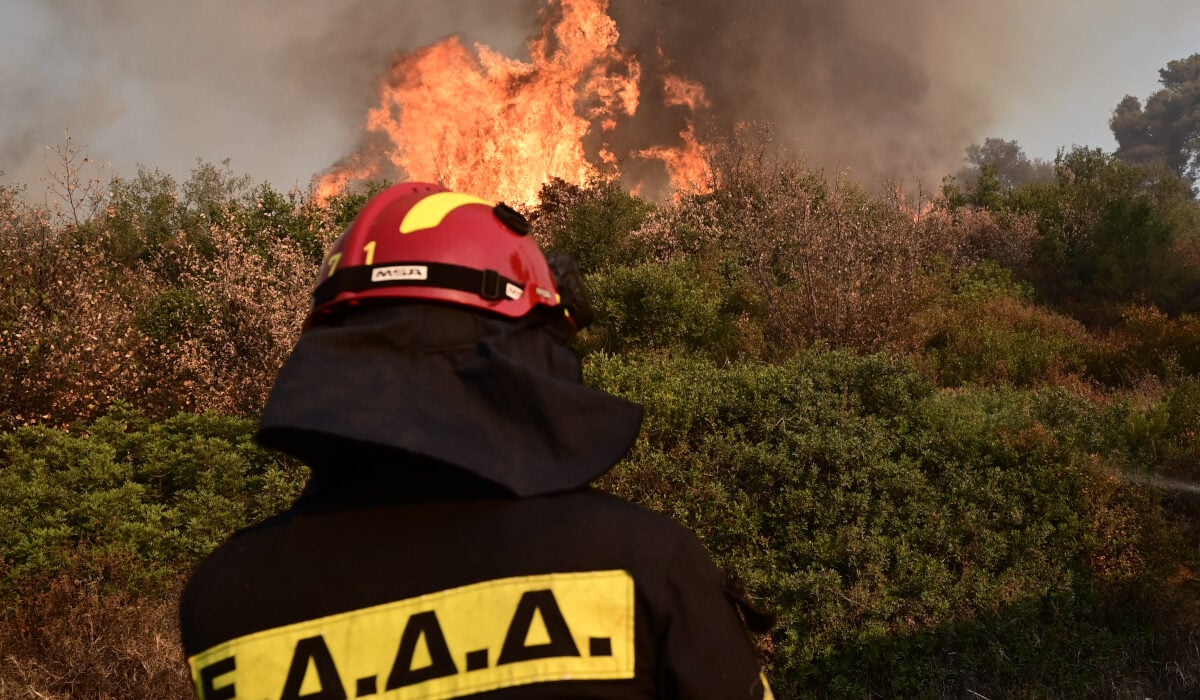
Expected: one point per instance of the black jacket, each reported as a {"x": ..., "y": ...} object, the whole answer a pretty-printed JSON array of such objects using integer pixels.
[{"x": 357, "y": 591}]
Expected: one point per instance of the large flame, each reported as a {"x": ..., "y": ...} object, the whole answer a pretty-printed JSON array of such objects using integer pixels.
[{"x": 481, "y": 122}]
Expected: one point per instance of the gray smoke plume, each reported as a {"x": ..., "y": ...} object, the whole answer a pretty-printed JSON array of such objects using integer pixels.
[
  {"x": 280, "y": 89},
  {"x": 870, "y": 87},
  {"x": 894, "y": 89},
  {"x": 876, "y": 90}
]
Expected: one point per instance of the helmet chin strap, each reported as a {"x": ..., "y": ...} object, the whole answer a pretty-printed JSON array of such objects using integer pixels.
[{"x": 488, "y": 284}]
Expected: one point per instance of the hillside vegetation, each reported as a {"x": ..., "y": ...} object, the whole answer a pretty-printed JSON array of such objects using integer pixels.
[{"x": 952, "y": 443}]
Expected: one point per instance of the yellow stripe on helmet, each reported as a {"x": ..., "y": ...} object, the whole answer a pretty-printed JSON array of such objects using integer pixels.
[{"x": 432, "y": 210}]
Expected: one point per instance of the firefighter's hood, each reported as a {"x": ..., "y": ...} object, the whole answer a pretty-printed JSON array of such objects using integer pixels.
[{"x": 500, "y": 399}]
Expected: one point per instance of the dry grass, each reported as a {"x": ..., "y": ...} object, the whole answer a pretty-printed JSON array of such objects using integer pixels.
[{"x": 75, "y": 640}]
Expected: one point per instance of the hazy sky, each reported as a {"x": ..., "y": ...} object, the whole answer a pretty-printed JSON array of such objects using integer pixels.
[
  {"x": 281, "y": 88},
  {"x": 1079, "y": 62}
]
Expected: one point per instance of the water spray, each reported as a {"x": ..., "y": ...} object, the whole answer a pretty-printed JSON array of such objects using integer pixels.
[{"x": 1159, "y": 482}]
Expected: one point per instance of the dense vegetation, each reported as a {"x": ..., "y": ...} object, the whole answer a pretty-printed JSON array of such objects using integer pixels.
[{"x": 953, "y": 446}]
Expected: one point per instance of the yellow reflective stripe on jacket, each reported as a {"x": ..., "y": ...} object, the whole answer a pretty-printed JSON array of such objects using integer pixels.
[
  {"x": 767, "y": 694},
  {"x": 495, "y": 634}
]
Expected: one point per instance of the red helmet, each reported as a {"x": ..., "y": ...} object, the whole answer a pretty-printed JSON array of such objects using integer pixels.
[{"x": 420, "y": 241}]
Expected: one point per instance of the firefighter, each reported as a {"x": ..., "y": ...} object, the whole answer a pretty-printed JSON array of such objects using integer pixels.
[{"x": 448, "y": 543}]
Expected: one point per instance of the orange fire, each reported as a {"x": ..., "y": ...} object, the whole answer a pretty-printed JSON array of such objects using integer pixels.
[
  {"x": 920, "y": 210},
  {"x": 690, "y": 166},
  {"x": 481, "y": 122},
  {"x": 681, "y": 91}
]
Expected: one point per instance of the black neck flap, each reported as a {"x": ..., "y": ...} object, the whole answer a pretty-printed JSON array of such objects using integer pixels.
[{"x": 499, "y": 399}]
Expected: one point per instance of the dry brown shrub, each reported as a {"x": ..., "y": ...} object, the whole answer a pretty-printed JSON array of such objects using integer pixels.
[
  {"x": 828, "y": 261},
  {"x": 73, "y": 362},
  {"x": 1006, "y": 238},
  {"x": 255, "y": 293},
  {"x": 73, "y": 321},
  {"x": 1147, "y": 340},
  {"x": 1002, "y": 340},
  {"x": 66, "y": 340},
  {"x": 73, "y": 639}
]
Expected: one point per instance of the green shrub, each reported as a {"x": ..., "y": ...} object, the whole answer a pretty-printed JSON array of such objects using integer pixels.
[
  {"x": 593, "y": 224},
  {"x": 1111, "y": 234},
  {"x": 161, "y": 494},
  {"x": 277, "y": 217},
  {"x": 665, "y": 306},
  {"x": 985, "y": 329},
  {"x": 914, "y": 542},
  {"x": 172, "y": 316}
]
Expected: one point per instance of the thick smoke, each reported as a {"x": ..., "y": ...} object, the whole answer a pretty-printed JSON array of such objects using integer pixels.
[
  {"x": 280, "y": 89},
  {"x": 858, "y": 86},
  {"x": 878, "y": 89}
]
